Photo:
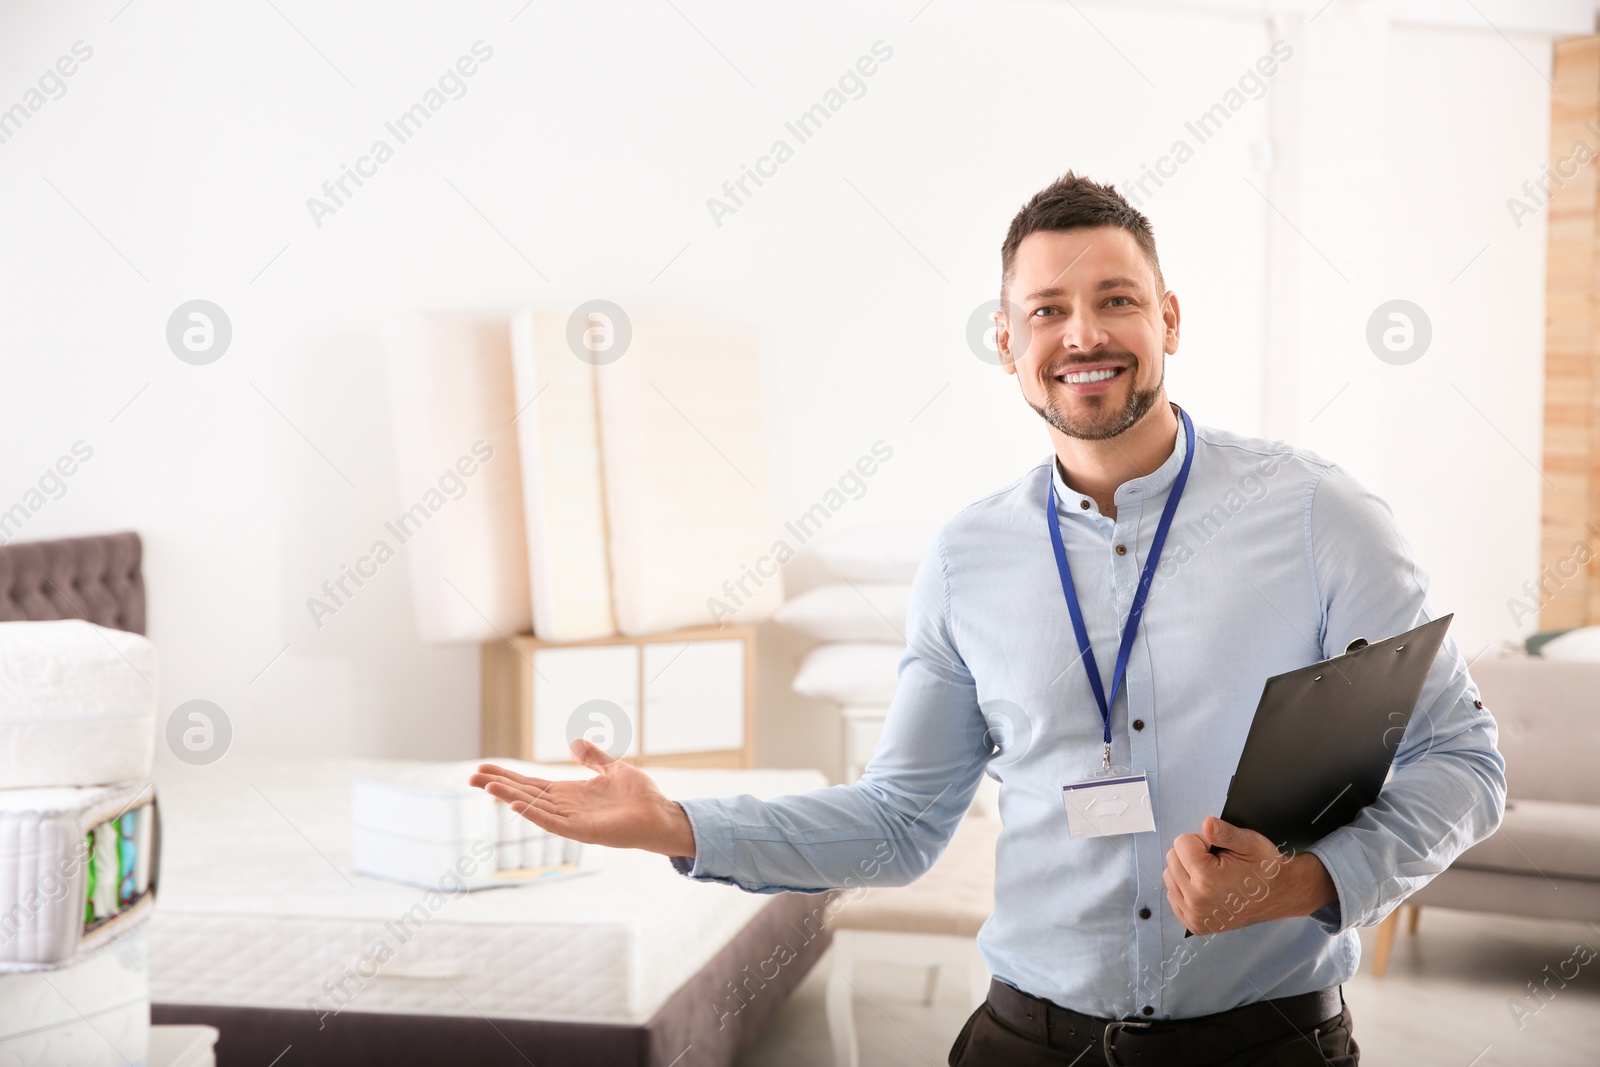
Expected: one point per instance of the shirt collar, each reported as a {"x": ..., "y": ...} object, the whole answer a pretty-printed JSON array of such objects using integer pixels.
[{"x": 1135, "y": 490}]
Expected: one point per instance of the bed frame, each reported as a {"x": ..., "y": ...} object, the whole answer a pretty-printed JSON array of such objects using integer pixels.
[
  {"x": 99, "y": 579},
  {"x": 95, "y": 578}
]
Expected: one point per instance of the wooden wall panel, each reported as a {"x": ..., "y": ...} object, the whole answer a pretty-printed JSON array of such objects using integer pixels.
[{"x": 1572, "y": 326}]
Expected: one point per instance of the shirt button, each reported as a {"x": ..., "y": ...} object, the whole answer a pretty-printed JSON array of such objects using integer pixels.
[
  {"x": 1138, "y": 724},
  {"x": 1084, "y": 504},
  {"x": 1122, "y": 550},
  {"x": 1147, "y": 1010},
  {"x": 1477, "y": 703},
  {"x": 1144, "y": 913}
]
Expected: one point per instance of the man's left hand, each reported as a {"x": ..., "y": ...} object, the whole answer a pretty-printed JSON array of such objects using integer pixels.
[{"x": 1247, "y": 881}]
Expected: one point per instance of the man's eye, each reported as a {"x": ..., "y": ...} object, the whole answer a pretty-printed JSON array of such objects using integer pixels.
[
  {"x": 1128, "y": 299},
  {"x": 1045, "y": 311}
]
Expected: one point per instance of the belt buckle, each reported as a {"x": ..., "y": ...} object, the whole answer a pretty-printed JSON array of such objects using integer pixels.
[{"x": 1108, "y": 1038}]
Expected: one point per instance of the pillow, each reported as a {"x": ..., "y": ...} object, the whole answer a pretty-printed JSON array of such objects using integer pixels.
[
  {"x": 877, "y": 553},
  {"x": 868, "y": 611},
  {"x": 1580, "y": 644},
  {"x": 852, "y": 673},
  {"x": 1533, "y": 643}
]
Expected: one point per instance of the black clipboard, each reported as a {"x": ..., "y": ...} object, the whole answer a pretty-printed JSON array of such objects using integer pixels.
[{"x": 1324, "y": 737}]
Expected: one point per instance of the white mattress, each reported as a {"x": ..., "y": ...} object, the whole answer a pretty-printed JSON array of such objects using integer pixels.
[
  {"x": 450, "y": 391},
  {"x": 563, "y": 503},
  {"x": 95, "y": 1013},
  {"x": 686, "y": 478},
  {"x": 288, "y": 923},
  {"x": 77, "y": 704},
  {"x": 48, "y": 863}
]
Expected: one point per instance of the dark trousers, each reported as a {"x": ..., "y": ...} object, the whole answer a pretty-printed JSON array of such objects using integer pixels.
[{"x": 1013, "y": 1029}]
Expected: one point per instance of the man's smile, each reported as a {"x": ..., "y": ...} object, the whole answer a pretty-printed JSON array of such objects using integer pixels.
[{"x": 1092, "y": 378}]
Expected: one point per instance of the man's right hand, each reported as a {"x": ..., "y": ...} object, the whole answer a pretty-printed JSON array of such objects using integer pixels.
[{"x": 619, "y": 807}]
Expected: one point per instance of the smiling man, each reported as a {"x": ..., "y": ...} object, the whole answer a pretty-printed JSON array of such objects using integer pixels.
[{"x": 1110, "y": 617}]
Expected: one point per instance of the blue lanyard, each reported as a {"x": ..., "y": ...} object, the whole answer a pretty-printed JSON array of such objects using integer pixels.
[{"x": 1139, "y": 596}]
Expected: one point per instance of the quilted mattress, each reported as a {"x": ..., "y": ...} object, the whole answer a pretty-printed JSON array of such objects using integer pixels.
[
  {"x": 78, "y": 868},
  {"x": 77, "y": 704},
  {"x": 93, "y": 1013},
  {"x": 289, "y": 923}
]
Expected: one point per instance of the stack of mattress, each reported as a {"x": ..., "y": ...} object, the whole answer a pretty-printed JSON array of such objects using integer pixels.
[
  {"x": 95, "y": 1011},
  {"x": 420, "y": 824},
  {"x": 627, "y": 490},
  {"x": 79, "y": 841}
]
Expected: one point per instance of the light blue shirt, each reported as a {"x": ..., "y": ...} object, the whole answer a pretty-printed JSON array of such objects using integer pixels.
[{"x": 1277, "y": 558}]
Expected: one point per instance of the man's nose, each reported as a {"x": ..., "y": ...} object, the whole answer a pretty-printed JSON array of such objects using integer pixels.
[{"x": 1082, "y": 333}]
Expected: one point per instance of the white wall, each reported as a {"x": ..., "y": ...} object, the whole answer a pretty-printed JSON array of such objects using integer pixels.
[{"x": 577, "y": 165}]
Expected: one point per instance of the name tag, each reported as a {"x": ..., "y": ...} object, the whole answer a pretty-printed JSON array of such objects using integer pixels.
[{"x": 1104, "y": 807}]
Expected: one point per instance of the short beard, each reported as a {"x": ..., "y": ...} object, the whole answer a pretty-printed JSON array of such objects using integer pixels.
[{"x": 1138, "y": 403}]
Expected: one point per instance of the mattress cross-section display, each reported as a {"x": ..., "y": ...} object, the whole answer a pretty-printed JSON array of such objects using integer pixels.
[
  {"x": 435, "y": 834},
  {"x": 78, "y": 867}
]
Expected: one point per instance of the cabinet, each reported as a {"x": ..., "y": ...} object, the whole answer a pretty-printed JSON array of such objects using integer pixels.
[{"x": 684, "y": 698}]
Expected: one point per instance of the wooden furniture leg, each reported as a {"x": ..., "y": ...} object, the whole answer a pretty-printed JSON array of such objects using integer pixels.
[
  {"x": 1413, "y": 918},
  {"x": 1384, "y": 942}
]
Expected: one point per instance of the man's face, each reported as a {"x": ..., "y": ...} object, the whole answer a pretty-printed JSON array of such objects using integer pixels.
[{"x": 1084, "y": 304}]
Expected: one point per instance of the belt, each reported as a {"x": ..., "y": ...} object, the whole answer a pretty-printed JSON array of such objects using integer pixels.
[{"x": 1200, "y": 1040}]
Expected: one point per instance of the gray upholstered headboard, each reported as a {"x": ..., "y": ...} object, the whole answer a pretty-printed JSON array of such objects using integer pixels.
[{"x": 96, "y": 578}]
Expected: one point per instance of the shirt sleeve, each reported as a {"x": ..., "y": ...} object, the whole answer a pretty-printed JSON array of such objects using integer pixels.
[
  {"x": 888, "y": 828},
  {"x": 1447, "y": 790}
]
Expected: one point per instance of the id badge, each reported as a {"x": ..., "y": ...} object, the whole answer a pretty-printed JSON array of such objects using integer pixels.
[{"x": 1105, "y": 807}]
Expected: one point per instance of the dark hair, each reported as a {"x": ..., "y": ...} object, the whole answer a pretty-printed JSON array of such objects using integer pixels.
[{"x": 1074, "y": 203}]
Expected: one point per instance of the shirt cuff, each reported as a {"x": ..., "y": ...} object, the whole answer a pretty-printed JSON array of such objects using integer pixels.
[
  {"x": 1352, "y": 878},
  {"x": 714, "y": 846}
]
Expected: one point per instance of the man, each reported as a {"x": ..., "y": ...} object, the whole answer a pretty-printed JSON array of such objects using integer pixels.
[{"x": 1028, "y": 657}]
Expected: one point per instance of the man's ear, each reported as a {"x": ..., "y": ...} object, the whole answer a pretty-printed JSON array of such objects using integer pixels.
[
  {"x": 1002, "y": 341},
  {"x": 1170, "y": 316}
]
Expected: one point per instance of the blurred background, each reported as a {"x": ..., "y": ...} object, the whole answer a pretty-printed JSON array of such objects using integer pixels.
[{"x": 1318, "y": 175}]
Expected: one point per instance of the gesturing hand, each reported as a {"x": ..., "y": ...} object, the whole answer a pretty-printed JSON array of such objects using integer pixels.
[
  {"x": 1248, "y": 881},
  {"x": 619, "y": 807}
]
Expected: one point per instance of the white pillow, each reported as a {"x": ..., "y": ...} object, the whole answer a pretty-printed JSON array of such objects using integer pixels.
[
  {"x": 1580, "y": 644},
  {"x": 877, "y": 553},
  {"x": 853, "y": 673},
  {"x": 865, "y": 611}
]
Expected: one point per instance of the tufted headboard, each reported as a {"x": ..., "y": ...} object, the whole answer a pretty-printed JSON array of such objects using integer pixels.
[{"x": 96, "y": 578}]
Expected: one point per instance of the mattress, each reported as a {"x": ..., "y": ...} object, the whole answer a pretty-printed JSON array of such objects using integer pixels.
[
  {"x": 77, "y": 704},
  {"x": 563, "y": 504},
  {"x": 78, "y": 868},
  {"x": 692, "y": 528},
  {"x": 424, "y": 826},
  {"x": 289, "y": 923},
  {"x": 93, "y": 1013},
  {"x": 459, "y": 519}
]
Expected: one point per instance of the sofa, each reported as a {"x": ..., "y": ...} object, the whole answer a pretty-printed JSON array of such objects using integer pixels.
[{"x": 1544, "y": 861}]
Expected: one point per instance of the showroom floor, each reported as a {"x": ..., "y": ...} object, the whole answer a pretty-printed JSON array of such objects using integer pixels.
[{"x": 1447, "y": 999}]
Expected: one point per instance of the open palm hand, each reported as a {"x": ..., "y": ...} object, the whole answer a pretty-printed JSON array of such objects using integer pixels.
[{"x": 619, "y": 806}]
